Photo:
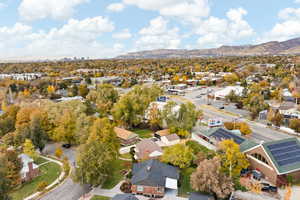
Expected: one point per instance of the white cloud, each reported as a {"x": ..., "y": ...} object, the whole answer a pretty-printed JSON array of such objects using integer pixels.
[
  {"x": 2, "y": 5},
  {"x": 39, "y": 9},
  {"x": 158, "y": 35},
  {"x": 76, "y": 38},
  {"x": 115, "y": 7},
  {"x": 215, "y": 32},
  {"x": 177, "y": 8},
  {"x": 288, "y": 27},
  {"x": 297, "y": 1},
  {"x": 124, "y": 34}
]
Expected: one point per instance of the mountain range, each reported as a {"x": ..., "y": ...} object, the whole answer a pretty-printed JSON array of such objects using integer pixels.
[{"x": 270, "y": 48}]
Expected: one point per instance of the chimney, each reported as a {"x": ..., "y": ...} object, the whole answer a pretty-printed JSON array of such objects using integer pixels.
[
  {"x": 262, "y": 142},
  {"x": 30, "y": 166}
]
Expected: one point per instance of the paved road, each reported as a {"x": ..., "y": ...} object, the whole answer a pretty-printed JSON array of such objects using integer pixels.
[
  {"x": 68, "y": 190},
  {"x": 260, "y": 132}
]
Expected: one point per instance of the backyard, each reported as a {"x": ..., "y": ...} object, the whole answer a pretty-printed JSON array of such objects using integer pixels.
[
  {"x": 118, "y": 171},
  {"x": 49, "y": 173},
  {"x": 143, "y": 133},
  {"x": 185, "y": 187}
]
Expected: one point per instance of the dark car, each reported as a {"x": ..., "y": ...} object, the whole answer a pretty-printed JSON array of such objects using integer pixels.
[
  {"x": 269, "y": 189},
  {"x": 245, "y": 172},
  {"x": 67, "y": 146},
  {"x": 222, "y": 107}
]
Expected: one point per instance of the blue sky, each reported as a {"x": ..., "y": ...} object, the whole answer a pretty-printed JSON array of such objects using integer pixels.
[{"x": 100, "y": 29}]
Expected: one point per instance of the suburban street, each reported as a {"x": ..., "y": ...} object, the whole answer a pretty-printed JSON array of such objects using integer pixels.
[
  {"x": 260, "y": 132},
  {"x": 69, "y": 190}
]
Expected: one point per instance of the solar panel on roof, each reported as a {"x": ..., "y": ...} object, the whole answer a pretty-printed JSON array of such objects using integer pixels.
[
  {"x": 284, "y": 150},
  {"x": 289, "y": 161},
  {"x": 285, "y": 153},
  {"x": 280, "y": 145},
  {"x": 223, "y": 134}
]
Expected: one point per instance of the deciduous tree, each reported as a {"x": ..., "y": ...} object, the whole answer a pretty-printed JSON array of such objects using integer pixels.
[
  {"x": 232, "y": 159},
  {"x": 179, "y": 155},
  {"x": 29, "y": 149},
  {"x": 209, "y": 178}
]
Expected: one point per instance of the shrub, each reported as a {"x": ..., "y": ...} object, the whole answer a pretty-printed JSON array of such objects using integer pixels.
[
  {"x": 126, "y": 187},
  {"x": 66, "y": 165},
  {"x": 58, "y": 152},
  {"x": 41, "y": 186}
]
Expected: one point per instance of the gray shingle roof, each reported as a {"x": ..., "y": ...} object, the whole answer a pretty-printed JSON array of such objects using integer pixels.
[
  {"x": 124, "y": 197},
  {"x": 153, "y": 173}
]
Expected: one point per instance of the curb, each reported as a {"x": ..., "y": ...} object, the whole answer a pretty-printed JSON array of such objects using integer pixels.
[{"x": 52, "y": 186}]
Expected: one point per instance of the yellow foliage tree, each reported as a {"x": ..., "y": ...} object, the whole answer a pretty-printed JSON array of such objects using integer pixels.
[
  {"x": 50, "y": 89},
  {"x": 232, "y": 159},
  {"x": 58, "y": 152},
  {"x": 28, "y": 149}
]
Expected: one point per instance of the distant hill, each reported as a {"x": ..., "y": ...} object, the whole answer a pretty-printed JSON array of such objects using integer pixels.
[{"x": 270, "y": 48}]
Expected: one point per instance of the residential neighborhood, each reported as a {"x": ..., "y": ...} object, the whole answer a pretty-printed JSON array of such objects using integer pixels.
[{"x": 149, "y": 100}]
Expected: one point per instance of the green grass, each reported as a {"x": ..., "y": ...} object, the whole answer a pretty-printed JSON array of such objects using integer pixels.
[
  {"x": 198, "y": 147},
  {"x": 185, "y": 187},
  {"x": 117, "y": 169},
  {"x": 143, "y": 133},
  {"x": 97, "y": 197},
  {"x": 49, "y": 173},
  {"x": 40, "y": 160},
  {"x": 126, "y": 156}
]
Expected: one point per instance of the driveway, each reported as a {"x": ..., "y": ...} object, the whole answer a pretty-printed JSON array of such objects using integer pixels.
[
  {"x": 170, "y": 194},
  {"x": 68, "y": 190}
]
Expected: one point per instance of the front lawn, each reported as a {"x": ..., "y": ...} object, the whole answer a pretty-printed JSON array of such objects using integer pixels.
[
  {"x": 143, "y": 133},
  {"x": 49, "y": 173},
  {"x": 97, "y": 197},
  {"x": 185, "y": 187},
  {"x": 40, "y": 160},
  {"x": 126, "y": 156},
  {"x": 118, "y": 170}
]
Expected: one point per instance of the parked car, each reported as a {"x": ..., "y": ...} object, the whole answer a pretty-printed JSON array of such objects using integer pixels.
[
  {"x": 245, "y": 172},
  {"x": 256, "y": 175},
  {"x": 269, "y": 188},
  {"x": 67, "y": 146},
  {"x": 198, "y": 97},
  {"x": 222, "y": 107}
]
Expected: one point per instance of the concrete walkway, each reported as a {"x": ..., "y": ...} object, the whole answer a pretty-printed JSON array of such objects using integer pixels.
[
  {"x": 61, "y": 176},
  {"x": 170, "y": 195},
  {"x": 295, "y": 195}
]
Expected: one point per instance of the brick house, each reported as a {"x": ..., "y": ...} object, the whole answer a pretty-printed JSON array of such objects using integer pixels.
[
  {"x": 152, "y": 178},
  {"x": 126, "y": 137},
  {"x": 276, "y": 160},
  {"x": 29, "y": 170}
]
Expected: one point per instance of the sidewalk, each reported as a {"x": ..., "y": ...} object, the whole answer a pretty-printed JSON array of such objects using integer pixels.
[{"x": 61, "y": 176}]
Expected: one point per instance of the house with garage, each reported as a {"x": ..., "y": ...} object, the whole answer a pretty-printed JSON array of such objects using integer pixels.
[
  {"x": 29, "y": 169},
  {"x": 276, "y": 160},
  {"x": 153, "y": 178},
  {"x": 171, "y": 139},
  {"x": 215, "y": 135},
  {"x": 147, "y": 149},
  {"x": 126, "y": 137},
  {"x": 161, "y": 133}
]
